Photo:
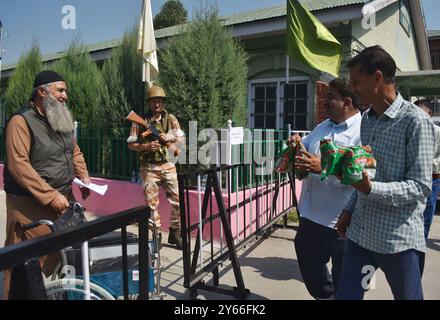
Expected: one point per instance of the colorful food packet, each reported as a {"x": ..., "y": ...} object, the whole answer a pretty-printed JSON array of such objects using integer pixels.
[
  {"x": 346, "y": 162},
  {"x": 355, "y": 160},
  {"x": 300, "y": 174},
  {"x": 331, "y": 158},
  {"x": 286, "y": 160}
]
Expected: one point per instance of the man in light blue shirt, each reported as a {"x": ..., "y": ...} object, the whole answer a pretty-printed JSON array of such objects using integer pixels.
[
  {"x": 321, "y": 202},
  {"x": 385, "y": 216}
]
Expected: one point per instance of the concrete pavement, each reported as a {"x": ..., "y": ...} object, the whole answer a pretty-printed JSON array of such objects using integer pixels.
[{"x": 270, "y": 268}]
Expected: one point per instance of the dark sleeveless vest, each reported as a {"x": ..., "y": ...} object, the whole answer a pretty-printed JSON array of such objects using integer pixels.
[{"x": 51, "y": 155}]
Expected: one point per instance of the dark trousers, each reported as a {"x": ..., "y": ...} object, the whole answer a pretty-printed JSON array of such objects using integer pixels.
[
  {"x": 315, "y": 245},
  {"x": 429, "y": 212},
  {"x": 401, "y": 270}
]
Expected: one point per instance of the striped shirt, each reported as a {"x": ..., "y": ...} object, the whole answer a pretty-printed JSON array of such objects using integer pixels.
[{"x": 390, "y": 218}]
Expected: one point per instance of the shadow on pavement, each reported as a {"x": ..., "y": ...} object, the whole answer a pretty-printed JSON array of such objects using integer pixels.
[
  {"x": 274, "y": 268},
  {"x": 433, "y": 244}
]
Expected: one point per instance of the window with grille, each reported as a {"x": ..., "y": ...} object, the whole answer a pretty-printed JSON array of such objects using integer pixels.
[
  {"x": 275, "y": 104},
  {"x": 265, "y": 105},
  {"x": 295, "y": 105}
]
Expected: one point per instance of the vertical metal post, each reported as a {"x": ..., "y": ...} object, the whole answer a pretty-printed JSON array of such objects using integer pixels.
[
  {"x": 236, "y": 207},
  {"x": 124, "y": 261},
  {"x": 229, "y": 151},
  {"x": 143, "y": 253},
  {"x": 199, "y": 200},
  {"x": 86, "y": 270},
  {"x": 250, "y": 197},
  {"x": 75, "y": 130},
  {"x": 184, "y": 231},
  {"x": 272, "y": 213}
]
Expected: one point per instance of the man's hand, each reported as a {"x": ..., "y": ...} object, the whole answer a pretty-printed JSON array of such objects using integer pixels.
[
  {"x": 293, "y": 138},
  {"x": 166, "y": 137},
  {"x": 308, "y": 162},
  {"x": 85, "y": 192},
  {"x": 152, "y": 146},
  {"x": 343, "y": 223},
  {"x": 59, "y": 204},
  {"x": 364, "y": 185}
]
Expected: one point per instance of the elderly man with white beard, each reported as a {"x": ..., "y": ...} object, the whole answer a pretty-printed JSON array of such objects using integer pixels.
[{"x": 42, "y": 160}]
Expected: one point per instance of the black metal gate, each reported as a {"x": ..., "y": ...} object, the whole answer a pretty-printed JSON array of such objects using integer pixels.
[{"x": 265, "y": 192}]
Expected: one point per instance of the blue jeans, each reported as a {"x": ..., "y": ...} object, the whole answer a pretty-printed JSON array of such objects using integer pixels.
[
  {"x": 315, "y": 245},
  {"x": 429, "y": 212},
  {"x": 401, "y": 271}
]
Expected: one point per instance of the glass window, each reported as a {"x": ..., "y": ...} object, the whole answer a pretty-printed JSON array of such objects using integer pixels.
[
  {"x": 265, "y": 105},
  {"x": 301, "y": 106},
  {"x": 301, "y": 91},
  {"x": 295, "y": 105},
  {"x": 259, "y": 106},
  {"x": 405, "y": 20},
  {"x": 291, "y": 106}
]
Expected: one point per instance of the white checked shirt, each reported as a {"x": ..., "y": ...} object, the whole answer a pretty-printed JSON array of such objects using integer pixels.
[
  {"x": 390, "y": 218},
  {"x": 323, "y": 201}
]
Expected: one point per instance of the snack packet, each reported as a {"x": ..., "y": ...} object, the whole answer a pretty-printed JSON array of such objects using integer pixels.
[
  {"x": 355, "y": 160},
  {"x": 285, "y": 160},
  {"x": 331, "y": 158},
  {"x": 300, "y": 174},
  {"x": 287, "y": 156}
]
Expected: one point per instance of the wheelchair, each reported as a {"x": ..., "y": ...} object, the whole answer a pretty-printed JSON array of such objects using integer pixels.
[{"x": 105, "y": 265}]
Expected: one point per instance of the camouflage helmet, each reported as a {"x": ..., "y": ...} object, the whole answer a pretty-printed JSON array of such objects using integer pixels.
[{"x": 156, "y": 92}]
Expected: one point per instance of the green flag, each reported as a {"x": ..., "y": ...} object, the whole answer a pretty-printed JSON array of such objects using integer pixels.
[{"x": 310, "y": 42}]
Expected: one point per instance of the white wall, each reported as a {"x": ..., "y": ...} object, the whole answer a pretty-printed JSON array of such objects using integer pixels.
[{"x": 389, "y": 34}]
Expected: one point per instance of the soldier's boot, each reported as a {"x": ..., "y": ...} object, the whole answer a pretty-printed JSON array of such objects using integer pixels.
[{"x": 174, "y": 237}]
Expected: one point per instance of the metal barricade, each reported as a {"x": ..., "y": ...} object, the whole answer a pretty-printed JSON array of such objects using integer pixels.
[{"x": 226, "y": 221}]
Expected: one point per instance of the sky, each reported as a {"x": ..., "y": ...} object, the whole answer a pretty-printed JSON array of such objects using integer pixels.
[{"x": 102, "y": 20}]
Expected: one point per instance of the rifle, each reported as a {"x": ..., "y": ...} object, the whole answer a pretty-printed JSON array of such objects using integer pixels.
[{"x": 151, "y": 130}]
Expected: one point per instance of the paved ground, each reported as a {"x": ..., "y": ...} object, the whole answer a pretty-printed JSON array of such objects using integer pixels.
[{"x": 270, "y": 269}]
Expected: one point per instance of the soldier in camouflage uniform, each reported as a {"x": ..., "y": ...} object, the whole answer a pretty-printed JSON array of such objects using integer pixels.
[{"x": 156, "y": 169}]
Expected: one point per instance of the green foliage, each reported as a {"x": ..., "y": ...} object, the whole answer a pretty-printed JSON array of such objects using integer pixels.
[
  {"x": 84, "y": 83},
  {"x": 204, "y": 72},
  {"x": 171, "y": 13},
  {"x": 122, "y": 75},
  {"x": 20, "y": 85}
]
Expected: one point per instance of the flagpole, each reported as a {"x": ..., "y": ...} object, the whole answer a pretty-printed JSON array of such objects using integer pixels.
[{"x": 148, "y": 78}]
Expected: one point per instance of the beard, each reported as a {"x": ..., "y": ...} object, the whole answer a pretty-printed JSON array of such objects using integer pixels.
[{"x": 57, "y": 114}]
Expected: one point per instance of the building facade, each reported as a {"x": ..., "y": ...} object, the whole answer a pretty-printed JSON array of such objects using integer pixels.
[{"x": 282, "y": 91}]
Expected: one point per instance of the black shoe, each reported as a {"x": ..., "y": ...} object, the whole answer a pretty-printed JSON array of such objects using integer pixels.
[{"x": 174, "y": 237}]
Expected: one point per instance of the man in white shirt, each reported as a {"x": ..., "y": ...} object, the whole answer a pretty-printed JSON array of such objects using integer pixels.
[{"x": 321, "y": 202}]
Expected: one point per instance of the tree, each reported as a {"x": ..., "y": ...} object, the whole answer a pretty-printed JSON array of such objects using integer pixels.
[
  {"x": 84, "y": 83},
  {"x": 122, "y": 75},
  {"x": 204, "y": 72},
  {"x": 171, "y": 13},
  {"x": 20, "y": 86}
]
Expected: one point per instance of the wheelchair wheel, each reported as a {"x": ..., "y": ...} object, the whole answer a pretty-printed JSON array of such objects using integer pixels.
[{"x": 73, "y": 289}]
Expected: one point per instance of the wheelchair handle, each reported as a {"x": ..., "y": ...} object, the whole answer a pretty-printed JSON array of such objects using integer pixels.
[{"x": 38, "y": 223}]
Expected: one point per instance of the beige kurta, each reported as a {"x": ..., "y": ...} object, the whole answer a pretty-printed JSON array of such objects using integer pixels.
[{"x": 23, "y": 210}]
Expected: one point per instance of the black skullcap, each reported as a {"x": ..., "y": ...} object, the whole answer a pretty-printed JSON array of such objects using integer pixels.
[{"x": 47, "y": 76}]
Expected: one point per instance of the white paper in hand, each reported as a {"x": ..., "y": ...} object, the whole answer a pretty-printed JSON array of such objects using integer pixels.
[{"x": 94, "y": 187}]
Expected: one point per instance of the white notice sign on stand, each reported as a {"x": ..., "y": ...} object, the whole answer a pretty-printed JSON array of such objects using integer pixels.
[{"x": 236, "y": 135}]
